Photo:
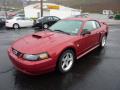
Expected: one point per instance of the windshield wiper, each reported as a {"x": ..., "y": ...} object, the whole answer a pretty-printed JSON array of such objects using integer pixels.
[{"x": 62, "y": 32}]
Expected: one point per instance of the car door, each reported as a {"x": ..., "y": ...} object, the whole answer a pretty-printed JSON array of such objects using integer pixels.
[
  {"x": 21, "y": 21},
  {"x": 89, "y": 40},
  {"x": 28, "y": 22},
  {"x": 95, "y": 34},
  {"x": 50, "y": 21},
  {"x": 43, "y": 21},
  {"x": 97, "y": 31}
]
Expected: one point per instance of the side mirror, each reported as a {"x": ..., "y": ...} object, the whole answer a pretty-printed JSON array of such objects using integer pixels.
[{"x": 85, "y": 31}]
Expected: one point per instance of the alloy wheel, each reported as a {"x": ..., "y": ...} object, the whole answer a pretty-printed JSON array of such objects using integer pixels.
[
  {"x": 15, "y": 26},
  {"x": 67, "y": 61},
  {"x": 103, "y": 41}
]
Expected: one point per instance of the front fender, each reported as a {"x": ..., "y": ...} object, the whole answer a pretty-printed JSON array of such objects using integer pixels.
[{"x": 59, "y": 49}]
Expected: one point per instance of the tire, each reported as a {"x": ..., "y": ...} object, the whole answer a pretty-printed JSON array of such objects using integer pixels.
[
  {"x": 16, "y": 26},
  {"x": 103, "y": 42},
  {"x": 66, "y": 61},
  {"x": 45, "y": 26}
]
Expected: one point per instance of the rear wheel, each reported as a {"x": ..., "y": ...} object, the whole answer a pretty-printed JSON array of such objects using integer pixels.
[
  {"x": 16, "y": 26},
  {"x": 103, "y": 42},
  {"x": 66, "y": 61}
]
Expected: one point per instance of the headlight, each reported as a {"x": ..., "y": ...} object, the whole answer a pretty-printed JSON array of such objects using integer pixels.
[
  {"x": 43, "y": 56},
  {"x": 30, "y": 57},
  {"x": 36, "y": 57}
]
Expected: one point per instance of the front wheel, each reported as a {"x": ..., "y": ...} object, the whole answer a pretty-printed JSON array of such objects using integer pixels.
[
  {"x": 66, "y": 61},
  {"x": 16, "y": 26}
]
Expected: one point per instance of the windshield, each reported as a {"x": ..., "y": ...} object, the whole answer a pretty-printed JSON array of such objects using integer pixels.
[{"x": 71, "y": 27}]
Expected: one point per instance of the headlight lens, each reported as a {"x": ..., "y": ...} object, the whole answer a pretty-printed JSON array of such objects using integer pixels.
[
  {"x": 36, "y": 57},
  {"x": 30, "y": 57},
  {"x": 43, "y": 56}
]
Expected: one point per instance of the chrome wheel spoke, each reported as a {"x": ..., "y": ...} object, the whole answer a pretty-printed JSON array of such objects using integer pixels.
[
  {"x": 70, "y": 59},
  {"x": 67, "y": 61},
  {"x": 63, "y": 65}
]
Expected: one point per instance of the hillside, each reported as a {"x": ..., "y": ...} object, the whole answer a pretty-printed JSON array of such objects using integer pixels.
[
  {"x": 85, "y": 5},
  {"x": 92, "y": 5}
]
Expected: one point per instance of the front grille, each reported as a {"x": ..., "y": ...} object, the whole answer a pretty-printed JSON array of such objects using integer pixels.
[{"x": 17, "y": 53}]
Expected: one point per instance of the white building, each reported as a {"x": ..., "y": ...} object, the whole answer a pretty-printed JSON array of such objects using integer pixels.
[
  {"x": 108, "y": 12},
  {"x": 50, "y": 9}
]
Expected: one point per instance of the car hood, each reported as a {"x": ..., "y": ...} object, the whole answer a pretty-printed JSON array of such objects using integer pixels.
[{"x": 40, "y": 42}]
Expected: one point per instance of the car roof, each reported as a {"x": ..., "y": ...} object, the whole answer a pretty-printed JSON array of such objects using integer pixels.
[
  {"x": 44, "y": 17},
  {"x": 79, "y": 18},
  {"x": 50, "y": 16}
]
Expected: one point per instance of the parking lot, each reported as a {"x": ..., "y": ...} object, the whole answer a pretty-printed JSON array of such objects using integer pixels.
[{"x": 99, "y": 70}]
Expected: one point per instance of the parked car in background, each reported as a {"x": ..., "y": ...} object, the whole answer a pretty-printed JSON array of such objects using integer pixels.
[
  {"x": 111, "y": 16},
  {"x": 19, "y": 22},
  {"x": 2, "y": 22},
  {"x": 117, "y": 16},
  {"x": 81, "y": 15},
  {"x": 45, "y": 22},
  {"x": 19, "y": 15},
  {"x": 59, "y": 46}
]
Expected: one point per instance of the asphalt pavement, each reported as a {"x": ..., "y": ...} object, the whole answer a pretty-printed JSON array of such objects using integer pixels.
[{"x": 98, "y": 70}]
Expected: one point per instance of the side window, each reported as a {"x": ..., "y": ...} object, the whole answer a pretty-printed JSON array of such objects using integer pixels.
[
  {"x": 42, "y": 19},
  {"x": 20, "y": 18},
  {"x": 49, "y": 18},
  {"x": 55, "y": 18},
  {"x": 26, "y": 19},
  {"x": 98, "y": 24},
  {"x": 45, "y": 19},
  {"x": 90, "y": 25}
]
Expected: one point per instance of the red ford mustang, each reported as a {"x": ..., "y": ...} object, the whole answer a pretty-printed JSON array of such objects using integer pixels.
[{"x": 59, "y": 46}]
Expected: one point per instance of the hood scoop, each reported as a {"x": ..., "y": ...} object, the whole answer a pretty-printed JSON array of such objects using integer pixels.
[
  {"x": 42, "y": 35},
  {"x": 36, "y": 36}
]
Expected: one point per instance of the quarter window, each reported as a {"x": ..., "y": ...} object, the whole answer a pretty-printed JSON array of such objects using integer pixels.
[
  {"x": 90, "y": 25},
  {"x": 98, "y": 24}
]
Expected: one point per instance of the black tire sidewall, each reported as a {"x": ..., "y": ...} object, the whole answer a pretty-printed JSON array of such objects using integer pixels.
[
  {"x": 16, "y": 24},
  {"x": 59, "y": 68}
]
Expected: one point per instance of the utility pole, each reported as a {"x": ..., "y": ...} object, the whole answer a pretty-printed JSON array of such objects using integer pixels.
[
  {"x": 5, "y": 8},
  {"x": 41, "y": 7}
]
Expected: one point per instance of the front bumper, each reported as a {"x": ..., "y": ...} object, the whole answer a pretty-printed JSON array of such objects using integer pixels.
[
  {"x": 32, "y": 67},
  {"x": 8, "y": 25}
]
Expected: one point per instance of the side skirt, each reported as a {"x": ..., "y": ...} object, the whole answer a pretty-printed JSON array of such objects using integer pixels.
[{"x": 87, "y": 51}]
